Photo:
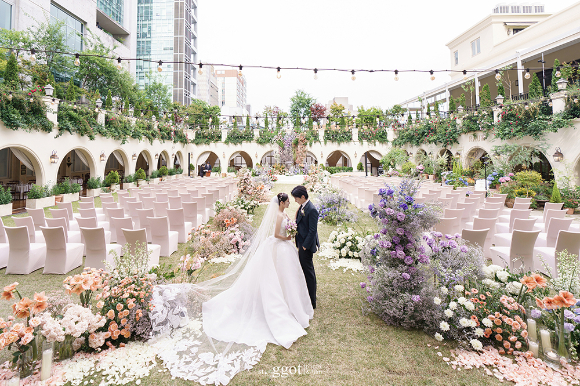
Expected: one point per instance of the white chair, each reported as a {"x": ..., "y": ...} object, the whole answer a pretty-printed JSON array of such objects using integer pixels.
[
  {"x": 161, "y": 235},
  {"x": 503, "y": 227},
  {"x": 132, "y": 208},
  {"x": 70, "y": 236},
  {"x": 107, "y": 199},
  {"x": 68, "y": 207},
  {"x": 23, "y": 257},
  {"x": 178, "y": 224},
  {"x": 107, "y": 206},
  {"x": 33, "y": 236},
  {"x": 569, "y": 241},
  {"x": 172, "y": 193},
  {"x": 161, "y": 208},
  {"x": 87, "y": 199},
  {"x": 161, "y": 197},
  {"x": 555, "y": 225},
  {"x": 493, "y": 205},
  {"x": 144, "y": 215},
  {"x": 486, "y": 223},
  {"x": 139, "y": 237},
  {"x": 505, "y": 212},
  {"x": 175, "y": 202},
  {"x": 38, "y": 217},
  {"x": 3, "y": 238},
  {"x": 190, "y": 213},
  {"x": 91, "y": 222},
  {"x": 92, "y": 212},
  {"x": 98, "y": 251},
  {"x": 475, "y": 237},
  {"x": 120, "y": 224},
  {"x": 148, "y": 202},
  {"x": 483, "y": 213},
  {"x": 469, "y": 210},
  {"x": 548, "y": 215},
  {"x": 61, "y": 257},
  {"x": 495, "y": 199},
  {"x": 114, "y": 213},
  {"x": 520, "y": 252},
  {"x": 520, "y": 224},
  {"x": 445, "y": 202},
  {"x": 127, "y": 201},
  {"x": 4, "y": 253},
  {"x": 552, "y": 206},
  {"x": 447, "y": 226}
]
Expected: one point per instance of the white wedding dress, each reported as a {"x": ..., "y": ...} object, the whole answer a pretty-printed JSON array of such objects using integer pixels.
[{"x": 210, "y": 331}]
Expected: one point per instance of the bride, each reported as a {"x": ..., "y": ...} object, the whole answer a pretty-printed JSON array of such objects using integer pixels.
[{"x": 208, "y": 332}]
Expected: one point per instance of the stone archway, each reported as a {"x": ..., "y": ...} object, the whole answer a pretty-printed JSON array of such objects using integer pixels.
[
  {"x": 178, "y": 160},
  {"x": 209, "y": 157},
  {"x": 162, "y": 159},
  {"x": 143, "y": 162},
  {"x": 117, "y": 161},
  {"x": 420, "y": 156},
  {"x": 450, "y": 158},
  {"x": 338, "y": 158},
  {"x": 269, "y": 158},
  {"x": 240, "y": 159},
  {"x": 20, "y": 168},
  {"x": 311, "y": 158},
  {"x": 373, "y": 161}
]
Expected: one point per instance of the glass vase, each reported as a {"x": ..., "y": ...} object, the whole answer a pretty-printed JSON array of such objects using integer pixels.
[
  {"x": 25, "y": 363},
  {"x": 65, "y": 348},
  {"x": 562, "y": 342}
]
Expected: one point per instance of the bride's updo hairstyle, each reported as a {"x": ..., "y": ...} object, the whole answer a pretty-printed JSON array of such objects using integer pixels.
[{"x": 282, "y": 197}]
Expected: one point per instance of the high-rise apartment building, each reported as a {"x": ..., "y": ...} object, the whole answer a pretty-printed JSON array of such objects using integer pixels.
[
  {"x": 167, "y": 32},
  {"x": 207, "y": 87},
  {"x": 232, "y": 88}
]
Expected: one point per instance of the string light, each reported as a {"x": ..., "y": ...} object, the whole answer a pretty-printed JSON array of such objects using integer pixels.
[
  {"x": 550, "y": 103},
  {"x": 10, "y": 96},
  {"x": 278, "y": 74},
  {"x": 396, "y": 75},
  {"x": 353, "y": 77},
  {"x": 200, "y": 71},
  {"x": 558, "y": 73},
  {"x": 160, "y": 66},
  {"x": 497, "y": 75},
  {"x": 32, "y": 55},
  {"x": 77, "y": 60},
  {"x": 315, "y": 73},
  {"x": 240, "y": 71},
  {"x": 526, "y": 106},
  {"x": 119, "y": 63},
  {"x": 527, "y": 75},
  {"x": 432, "y": 76},
  {"x": 464, "y": 74}
]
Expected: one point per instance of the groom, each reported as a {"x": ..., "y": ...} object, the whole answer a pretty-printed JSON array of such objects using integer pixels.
[{"x": 306, "y": 238}]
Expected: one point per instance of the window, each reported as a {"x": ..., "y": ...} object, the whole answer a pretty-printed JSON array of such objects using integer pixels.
[
  {"x": 112, "y": 8},
  {"x": 539, "y": 8},
  {"x": 456, "y": 57},
  {"x": 475, "y": 47},
  {"x": 5, "y": 15},
  {"x": 527, "y": 8},
  {"x": 73, "y": 27},
  {"x": 516, "y": 30},
  {"x": 515, "y": 9}
]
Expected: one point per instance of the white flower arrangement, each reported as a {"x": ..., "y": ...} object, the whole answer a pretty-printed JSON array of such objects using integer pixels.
[{"x": 348, "y": 242}]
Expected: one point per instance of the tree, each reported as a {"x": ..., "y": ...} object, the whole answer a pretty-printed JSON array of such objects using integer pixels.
[
  {"x": 368, "y": 117},
  {"x": 501, "y": 90},
  {"x": 469, "y": 87},
  {"x": 417, "y": 116},
  {"x": 109, "y": 100},
  {"x": 452, "y": 106},
  {"x": 462, "y": 101},
  {"x": 535, "y": 89},
  {"x": 428, "y": 110},
  {"x": 71, "y": 92},
  {"x": 485, "y": 96},
  {"x": 409, "y": 119},
  {"x": 247, "y": 122},
  {"x": 300, "y": 105},
  {"x": 159, "y": 94},
  {"x": 266, "y": 123},
  {"x": 436, "y": 108},
  {"x": 556, "y": 196},
  {"x": 11, "y": 78},
  {"x": 554, "y": 77},
  {"x": 317, "y": 111}
]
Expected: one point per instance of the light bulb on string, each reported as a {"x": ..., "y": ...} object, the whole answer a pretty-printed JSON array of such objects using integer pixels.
[
  {"x": 315, "y": 73},
  {"x": 353, "y": 77},
  {"x": 32, "y": 55},
  {"x": 550, "y": 103},
  {"x": 497, "y": 75},
  {"x": 200, "y": 71},
  {"x": 527, "y": 74},
  {"x": 77, "y": 60},
  {"x": 464, "y": 74},
  {"x": 432, "y": 75},
  {"x": 119, "y": 66},
  {"x": 396, "y": 75},
  {"x": 10, "y": 96},
  {"x": 160, "y": 66},
  {"x": 278, "y": 73},
  {"x": 558, "y": 73},
  {"x": 240, "y": 71},
  {"x": 575, "y": 100},
  {"x": 526, "y": 106}
]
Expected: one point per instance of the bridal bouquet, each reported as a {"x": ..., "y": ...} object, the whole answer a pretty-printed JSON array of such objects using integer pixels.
[{"x": 291, "y": 228}]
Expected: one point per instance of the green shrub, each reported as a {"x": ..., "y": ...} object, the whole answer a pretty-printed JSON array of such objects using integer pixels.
[
  {"x": 75, "y": 188},
  {"x": 556, "y": 196},
  {"x": 94, "y": 183},
  {"x": 112, "y": 178},
  {"x": 154, "y": 174},
  {"x": 38, "y": 191},
  {"x": 140, "y": 174},
  {"x": 5, "y": 196},
  {"x": 129, "y": 179},
  {"x": 231, "y": 169},
  {"x": 216, "y": 169},
  {"x": 163, "y": 171},
  {"x": 360, "y": 166},
  {"x": 178, "y": 171},
  {"x": 171, "y": 172},
  {"x": 338, "y": 169},
  {"x": 408, "y": 167}
]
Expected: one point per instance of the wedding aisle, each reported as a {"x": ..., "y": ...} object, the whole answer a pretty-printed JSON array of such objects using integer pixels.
[{"x": 344, "y": 346}]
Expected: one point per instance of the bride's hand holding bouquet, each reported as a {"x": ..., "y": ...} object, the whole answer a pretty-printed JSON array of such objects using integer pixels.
[{"x": 291, "y": 228}]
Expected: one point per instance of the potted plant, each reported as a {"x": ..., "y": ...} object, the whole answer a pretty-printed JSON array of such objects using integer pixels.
[
  {"x": 360, "y": 167},
  {"x": 178, "y": 172},
  {"x": 170, "y": 174},
  {"x": 56, "y": 192},
  {"x": 571, "y": 204},
  {"x": 112, "y": 180},
  {"x": 140, "y": 176},
  {"x": 5, "y": 202},
  {"x": 192, "y": 168},
  {"x": 40, "y": 197},
  {"x": 128, "y": 182},
  {"x": 163, "y": 172},
  {"x": 153, "y": 178},
  {"x": 429, "y": 172},
  {"x": 93, "y": 186},
  {"x": 68, "y": 192}
]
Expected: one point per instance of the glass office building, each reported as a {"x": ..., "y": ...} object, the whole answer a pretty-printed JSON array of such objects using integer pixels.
[
  {"x": 5, "y": 15},
  {"x": 112, "y": 8},
  {"x": 167, "y": 31}
]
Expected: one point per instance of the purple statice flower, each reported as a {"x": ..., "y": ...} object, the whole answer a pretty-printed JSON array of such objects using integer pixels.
[
  {"x": 368, "y": 290},
  {"x": 569, "y": 314},
  {"x": 369, "y": 299},
  {"x": 405, "y": 276},
  {"x": 381, "y": 204},
  {"x": 443, "y": 243},
  {"x": 371, "y": 207},
  {"x": 435, "y": 249},
  {"x": 422, "y": 249},
  {"x": 423, "y": 259},
  {"x": 374, "y": 251},
  {"x": 452, "y": 244},
  {"x": 464, "y": 249},
  {"x": 385, "y": 221},
  {"x": 416, "y": 298},
  {"x": 536, "y": 313},
  {"x": 396, "y": 239},
  {"x": 404, "y": 207},
  {"x": 393, "y": 254},
  {"x": 382, "y": 191},
  {"x": 399, "y": 247},
  {"x": 384, "y": 231},
  {"x": 382, "y": 244},
  {"x": 371, "y": 269},
  {"x": 417, "y": 206},
  {"x": 412, "y": 270},
  {"x": 408, "y": 234},
  {"x": 437, "y": 234},
  {"x": 408, "y": 260},
  {"x": 363, "y": 285},
  {"x": 401, "y": 216},
  {"x": 577, "y": 319},
  {"x": 430, "y": 242},
  {"x": 369, "y": 277},
  {"x": 410, "y": 246},
  {"x": 400, "y": 254},
  {"x": 569, "y": 327},
  {"x": 457, "y": 236},
  {"x": 400, "y": 231},
  {"x": 376, "y": 236},
  {"x": 390, "y": 192},
  {"x": 388, "y": 244},
  {"x": 409, "y": 199},
  {"x": 390, "y": 211},
  {"x": 448, "y": 237}
]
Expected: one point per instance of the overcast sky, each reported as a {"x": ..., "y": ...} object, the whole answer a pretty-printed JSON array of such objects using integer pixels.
[{"x": 370, "y": 34}]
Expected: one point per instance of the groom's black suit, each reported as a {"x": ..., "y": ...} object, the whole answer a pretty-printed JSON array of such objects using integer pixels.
[{"x": 307, "y": 237}]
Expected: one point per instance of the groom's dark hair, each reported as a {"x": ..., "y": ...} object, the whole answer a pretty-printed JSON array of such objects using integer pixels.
[{"x": 300, "y": 191}]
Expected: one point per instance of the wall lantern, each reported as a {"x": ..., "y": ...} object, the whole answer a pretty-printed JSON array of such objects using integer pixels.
[
  {"x": 53, "y": 157},
  {"x": 256, "y": 154},
  {"x": 156, "y": 155},
  {"x": 355, "y": 156},
  {"x": 102, "y": 156},
  {"x": 558, "y": 156},
  {"x": 48, "y": 90},
  {"x": 134, "y": 156},
  {"x": 99, "y": 103}
]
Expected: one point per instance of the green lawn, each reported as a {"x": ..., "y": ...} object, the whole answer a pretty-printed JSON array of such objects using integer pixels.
[{"x": 344, "y": 346}]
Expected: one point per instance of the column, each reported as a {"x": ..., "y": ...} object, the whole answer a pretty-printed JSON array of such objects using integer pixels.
[
  {"x": 520, "y": 74},
  {"x": 476, "y": 84}
]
